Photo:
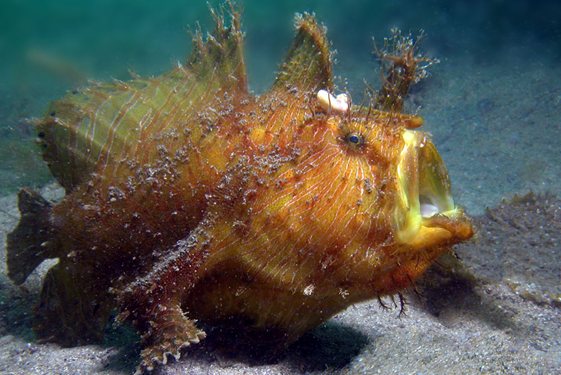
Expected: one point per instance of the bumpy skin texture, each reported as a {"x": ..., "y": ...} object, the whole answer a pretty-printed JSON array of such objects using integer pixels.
[{"x": 188, "y": 198}]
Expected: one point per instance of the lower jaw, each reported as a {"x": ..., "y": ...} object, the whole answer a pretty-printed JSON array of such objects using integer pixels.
[
  {"x": 429, "y": 237},
  {"x": 444, "y": 228}
]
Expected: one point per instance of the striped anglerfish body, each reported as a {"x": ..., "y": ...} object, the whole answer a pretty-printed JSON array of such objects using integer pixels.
[{"x": 190, "y": 199}]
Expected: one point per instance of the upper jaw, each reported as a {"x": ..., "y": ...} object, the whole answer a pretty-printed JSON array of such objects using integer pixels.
[{"x": 425, "y": 213}]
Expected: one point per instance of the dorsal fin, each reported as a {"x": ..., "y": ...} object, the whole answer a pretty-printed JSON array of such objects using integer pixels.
[
  {"x": 94, "y": 127},
  {"x": 308, "y": 63},
  {"x": 220, "y": 56}
]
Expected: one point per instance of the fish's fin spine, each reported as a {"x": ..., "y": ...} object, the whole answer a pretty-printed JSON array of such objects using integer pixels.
[
  {"x": 308, "y": 64},
  {"x": 220, "y": 57},
  {"x": 29, "y": 243},
  {"x": 100, "y": 125}
]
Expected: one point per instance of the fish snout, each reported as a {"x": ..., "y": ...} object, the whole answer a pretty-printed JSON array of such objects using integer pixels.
[{"x": 425, "y": 213}]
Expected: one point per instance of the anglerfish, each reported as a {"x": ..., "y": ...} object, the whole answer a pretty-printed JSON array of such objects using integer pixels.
[{"x": 190, "y": 199}]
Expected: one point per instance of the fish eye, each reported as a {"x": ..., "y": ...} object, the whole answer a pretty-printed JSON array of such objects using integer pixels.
[{"x": 355, "y": 139}]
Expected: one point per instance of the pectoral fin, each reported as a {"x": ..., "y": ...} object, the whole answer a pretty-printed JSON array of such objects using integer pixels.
[{"x": 153, "y": 303}]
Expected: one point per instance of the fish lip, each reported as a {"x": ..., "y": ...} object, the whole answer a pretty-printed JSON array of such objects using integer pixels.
[{"x": 425, "y": 212}]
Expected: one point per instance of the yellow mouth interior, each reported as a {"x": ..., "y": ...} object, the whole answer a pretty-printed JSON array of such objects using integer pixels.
[{"x": 424, "y": 198}]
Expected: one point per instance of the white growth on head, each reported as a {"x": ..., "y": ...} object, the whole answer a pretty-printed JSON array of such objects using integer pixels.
[
  {"x": 339, "y": 104},
  {"x": 309, "y": 290}
]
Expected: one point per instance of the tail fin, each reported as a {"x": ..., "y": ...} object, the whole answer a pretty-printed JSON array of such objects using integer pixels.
[{"x": 28, "y": 244}]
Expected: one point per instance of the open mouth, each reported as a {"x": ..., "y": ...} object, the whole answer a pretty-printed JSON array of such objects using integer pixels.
[{"x": 425, "y": 214}]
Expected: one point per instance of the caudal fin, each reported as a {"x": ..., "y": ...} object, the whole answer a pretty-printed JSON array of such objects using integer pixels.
[{"x": 28, "y": 244}]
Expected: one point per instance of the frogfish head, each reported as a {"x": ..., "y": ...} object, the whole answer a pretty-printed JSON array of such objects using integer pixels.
[{"x": 382, "y": 209}]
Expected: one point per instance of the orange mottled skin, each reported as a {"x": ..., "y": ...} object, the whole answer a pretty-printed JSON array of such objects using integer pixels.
[{"x": 257, "y": 207}]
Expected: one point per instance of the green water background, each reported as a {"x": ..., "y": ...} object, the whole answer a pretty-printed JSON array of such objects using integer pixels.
[{"x": 493, "y": 104}]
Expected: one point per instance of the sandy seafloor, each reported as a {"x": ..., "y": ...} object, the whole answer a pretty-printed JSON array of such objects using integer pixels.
[{"x": 493, "y": 106}]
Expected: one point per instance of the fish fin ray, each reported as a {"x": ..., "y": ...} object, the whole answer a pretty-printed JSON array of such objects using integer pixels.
[
  {"x": 103, "y": 124},
  {"x": 308, "y": 64},
  {"x": 220, "y": 57},
  {"x": 28, "y": 244}
]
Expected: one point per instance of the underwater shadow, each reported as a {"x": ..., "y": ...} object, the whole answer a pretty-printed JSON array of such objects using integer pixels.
[
  {"x": 449, "y": 295},
  {"x": 331, "y": 346},
  {"x": 123, "y": 344},
  {"x": 16, "y": 310},
  {"x": 122, "y": 360}
]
